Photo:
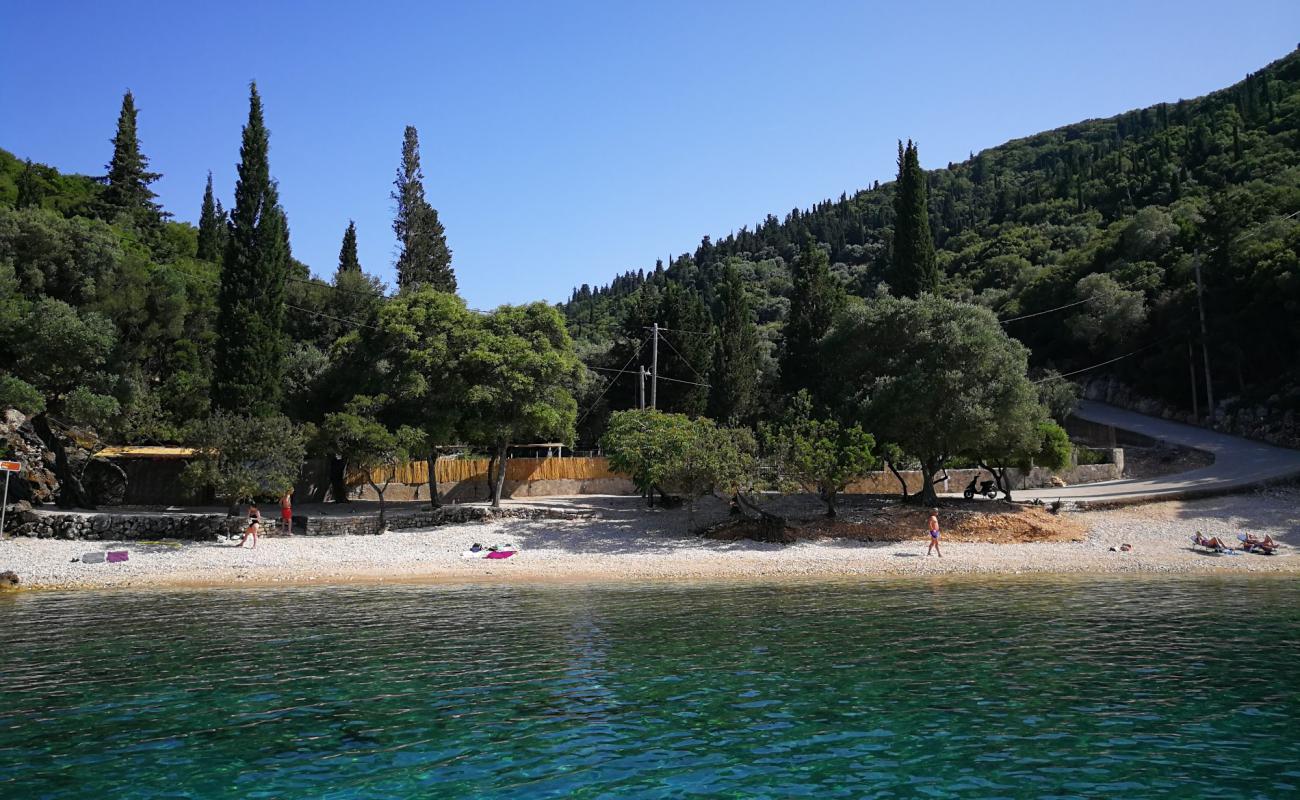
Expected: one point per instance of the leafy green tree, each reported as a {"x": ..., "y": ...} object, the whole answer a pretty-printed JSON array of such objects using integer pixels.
[
  {"x": 815, "y": 298},
  {"x": 65, "y": 259},
  {"x": 820, "y": 456},
  {"x": 936, "y": 377},
  {"x": 360, "y": 439},
  {"x": 521, "y": 372},
  {"x": 913, "y": 268},
  {"x": 212, "y": 227},
  {"x": 18, "y": 393},
  {"x": 421, "y": 338},
  {"x": 645, "y": 445},
  {"x": 1059, "y": 396},
  {"x": 31, "y": 189},
  {"x": 1041, "y": 443},
  {"x": 127, "y": 183},
  {"x": 248, "y": 368},
  {"x": 1111, "y": 314},
  {"x": 348, "y": 261},
  {"x": 243, "y": 458},
  {"x": 424, "y": 258},
  {"x": 736, "y": 371}
]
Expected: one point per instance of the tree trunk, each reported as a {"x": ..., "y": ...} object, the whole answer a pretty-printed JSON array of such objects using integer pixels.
[
  {"x": 491, "y": 479},
  {"x": 928, "y": 471},
  {"x": 435, "y": 502},
  {"x": 338, "y": 478},
  {"x": 999, "y": 477},
  {"x": 71, "y": 492},
  {"x": 902, "y": 483},
  {"x": 383, "y": 519},
  {"x": 499, "y": 485},
  {"x": 771, "y": 527},
  {"x": 828, "y": 497}
]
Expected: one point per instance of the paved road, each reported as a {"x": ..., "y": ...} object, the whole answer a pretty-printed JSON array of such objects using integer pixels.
[{"x": 1238, "y": 463}]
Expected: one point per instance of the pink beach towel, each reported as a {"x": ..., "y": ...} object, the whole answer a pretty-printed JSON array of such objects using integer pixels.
[
  {"x": 114, "y": 556},
  {"x": 501, "y": 553}
]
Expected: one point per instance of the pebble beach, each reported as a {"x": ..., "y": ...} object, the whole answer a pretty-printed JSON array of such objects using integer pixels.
[{"x": 619, "y": 540}]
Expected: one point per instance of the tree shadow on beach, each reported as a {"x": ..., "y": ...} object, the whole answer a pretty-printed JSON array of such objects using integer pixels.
[{"x": 1271, "y": 511}]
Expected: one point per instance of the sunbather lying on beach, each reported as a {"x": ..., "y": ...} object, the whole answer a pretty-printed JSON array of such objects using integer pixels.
[
  {"x": 1212, "y": 543},
  {"x": 1254, "y": 544}
]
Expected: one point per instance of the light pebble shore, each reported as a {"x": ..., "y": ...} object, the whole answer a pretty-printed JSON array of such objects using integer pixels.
[{"x": 623, "y": 541}]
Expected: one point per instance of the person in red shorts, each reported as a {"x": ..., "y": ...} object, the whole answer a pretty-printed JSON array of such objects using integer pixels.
[{"x": 286, "y": 512}]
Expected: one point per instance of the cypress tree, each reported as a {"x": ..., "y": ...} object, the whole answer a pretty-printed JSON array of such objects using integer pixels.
[
  {"x": 250, "y": 347},
  {"x": 128, "y": 176},
  {"x": 815, "y": 298},
  {"x": 736, "y": 369},
  {"x": 424, "y": 258},
  {"x": 211, "y": 226},
  {"x": 30, "y": 191},
  {"x": 348, "y": 261},
  {"x": 913, "y": 268}
]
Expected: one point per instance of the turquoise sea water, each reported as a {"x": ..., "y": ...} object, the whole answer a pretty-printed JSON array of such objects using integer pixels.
[{"x": 1176, "y": 688}]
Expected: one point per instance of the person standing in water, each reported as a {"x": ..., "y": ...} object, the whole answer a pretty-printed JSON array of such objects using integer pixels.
[{"x": 934, "y": 533}]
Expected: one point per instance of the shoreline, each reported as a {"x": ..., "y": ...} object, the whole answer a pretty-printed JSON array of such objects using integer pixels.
[{"x": 627, "y": 544}]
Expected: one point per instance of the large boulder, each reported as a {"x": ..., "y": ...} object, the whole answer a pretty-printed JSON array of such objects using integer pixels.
[{"x": 37, "y": 482}]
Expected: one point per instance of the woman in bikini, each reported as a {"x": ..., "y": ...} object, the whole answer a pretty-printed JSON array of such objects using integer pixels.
[{"x": 254, "y": 525}]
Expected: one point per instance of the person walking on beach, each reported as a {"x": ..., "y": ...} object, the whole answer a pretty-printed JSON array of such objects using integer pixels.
[
  {"x": 286, "y": 512},
  {"x": 934, "y": 533},
  {"x": 254, "y": 525}
]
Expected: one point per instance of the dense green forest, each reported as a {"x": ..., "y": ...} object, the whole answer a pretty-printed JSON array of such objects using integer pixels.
[
  {"x": 1106, "y": 218},
  {"x": 1083, "y": 243},
  {"x": 121, "y": 324}
]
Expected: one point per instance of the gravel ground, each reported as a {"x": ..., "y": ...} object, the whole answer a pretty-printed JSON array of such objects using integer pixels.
[{"x": 627, "y": 542}]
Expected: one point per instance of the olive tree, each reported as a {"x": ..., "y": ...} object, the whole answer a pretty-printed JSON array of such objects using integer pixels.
[
  {"x": 818, "y": 455},
  {"x": 936, "y": 377},
  {"x": 362, "y": 440}
]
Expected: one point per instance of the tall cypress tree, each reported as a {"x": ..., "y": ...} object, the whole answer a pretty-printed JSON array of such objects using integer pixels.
[
  {"x": 211, "y": 226},
  {"x": 30, "y": 190},
  {"x": 815, "y": 299},
  {"x": 734, "y": 391},
  {"x": 128, "y": 178},
  {"x": 424, "y": 258},
  {"x": 348, "y": 261},
  {"x": 250, "y": 344},
  {"x": 913, "y": 269}
]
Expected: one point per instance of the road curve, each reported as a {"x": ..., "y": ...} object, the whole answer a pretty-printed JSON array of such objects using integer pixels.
[{"x": 1238, "y": 463}]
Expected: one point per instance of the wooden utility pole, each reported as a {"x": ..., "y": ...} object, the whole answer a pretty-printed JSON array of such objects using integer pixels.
[
  {"x": 654, "y": 369},
  {"x": 1205, "y": 342}
]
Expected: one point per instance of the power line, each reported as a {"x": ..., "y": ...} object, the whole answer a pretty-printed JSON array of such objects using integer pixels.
[
  {"x": 610, "y": 385},
  {"x": 683, "y": 358},
  {"x": 634, "y": 372},
  {"x": 1067, "y": 305}
]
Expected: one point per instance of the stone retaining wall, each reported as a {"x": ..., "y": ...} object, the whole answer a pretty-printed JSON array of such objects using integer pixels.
[
  {"x": 207, "y": 527},
  {"x": 122, "y": 527}
]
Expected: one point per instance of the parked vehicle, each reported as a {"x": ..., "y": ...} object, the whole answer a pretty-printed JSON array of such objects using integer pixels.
[{"x": 987, "y": 488}]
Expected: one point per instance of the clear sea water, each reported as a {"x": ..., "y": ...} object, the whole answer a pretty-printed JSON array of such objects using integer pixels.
[{"x": 1084, "y": 688}]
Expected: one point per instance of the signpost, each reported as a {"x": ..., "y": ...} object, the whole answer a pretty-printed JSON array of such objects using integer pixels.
[{"x": 9, "y": 467}]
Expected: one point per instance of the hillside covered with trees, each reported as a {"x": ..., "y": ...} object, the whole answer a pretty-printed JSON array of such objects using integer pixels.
[
  {"x": 935, "y": 319},
  {"x": 1083, "y": 240}
]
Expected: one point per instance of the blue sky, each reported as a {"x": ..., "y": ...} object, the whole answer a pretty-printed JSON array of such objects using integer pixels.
[{"x": 565, "y": 142}]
